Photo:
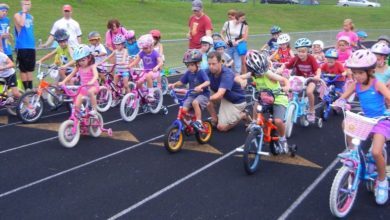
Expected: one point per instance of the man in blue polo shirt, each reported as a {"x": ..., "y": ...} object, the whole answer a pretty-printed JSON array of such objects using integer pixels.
[{"x": 227, "y": 92}]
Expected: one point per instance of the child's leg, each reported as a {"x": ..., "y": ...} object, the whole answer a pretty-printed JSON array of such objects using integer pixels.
[
  {"x": 310, "y": 95},
  {"x": 62, "y": 73},
  {"x": 92, "y": 96},
  {"x": 79, "y": 99},
  {"x": 126, "y": 84},
  {"x": 149, "y": 79},
  {"x": 198, "y": 111},
  {"x": 377, "y": 147},
  {"x": 279, "y": 112},
  {"x": 15, "y": 92}
]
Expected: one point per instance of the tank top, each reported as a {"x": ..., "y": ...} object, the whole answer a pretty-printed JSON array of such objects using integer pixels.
[
  {"x": 284, "y": 55},
  {"x": 119, "y": 59},
  {"x": 372, "y": 102},
  {"x": 86, "y": 75},
  {"x": 25, "y": 38},
  {"x": 265, "y": 83}
]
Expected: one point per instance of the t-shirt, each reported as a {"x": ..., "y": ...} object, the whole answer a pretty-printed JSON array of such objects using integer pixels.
[
  {"x": 24, "y": 39},
  {"x": 4, "y": 28},
  {"x": 62, "y": 56},
  {"x": 99, "y": 49},
  {"x": 198, "y": 28},
  {"x": 343, "y": 55},
  {"x": 383, "y": 77},
  {"x": 232, "y": 29},
  {"x": 273, "y": 46},
  {"x": 149, "y": 60},
  {"x": 352, "y": 36},
  {"x": 305, "y": 68},
  {"x": 3, "y": 62},
  {"x": 110, "y": 36},
  {"x": 264, "y": 82},
  {"x": 195, "y": 79},
  {"x": 337, "y": 69},
  {"x": 71, "y": 26},
  {"x": 132, "y": 48},
  {"x": 234, "y": 93},
  {"x": 283, "y": 56}
]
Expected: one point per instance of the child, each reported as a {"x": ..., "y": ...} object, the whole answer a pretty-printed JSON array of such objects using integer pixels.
[
  {"x": 120, "y": 55},
  {"x": 332, "y": 66},
  {"x": 156, "y": 34},
  {"x": 216, "y": 37},
  {"x": 343, "y": 49},
  {"x": 382, "y": 70},
  {"x": 61, "y": 54},
  {"x": 199, "y": 82},
  {"x": 98, "y": 50},
  {"x": 385, "y": 39},
  {"x": 206, "y": 45},
  {"x": 318, "y": 53},
  {"x": 371, "y": 94},
  {"x": 5, "y": 36},
  {"x": 272, "y": 44},
  {"x": 362, "y": 36},
  {"x": 220, "y": 47},
  {"x": 305, "y": 65},
  {"x": 152, "y": 62},
  {"x": 131, "y": 43},
  {"x": 7, "y": 72},
  {"x": 284, "y": 53},
  {"x": 86, "y": 68},
  {"x": 258, "y": 67}
]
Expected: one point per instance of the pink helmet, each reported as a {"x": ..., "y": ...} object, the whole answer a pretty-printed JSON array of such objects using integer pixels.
[
  {"x": 380, "y": 48},
  {"x": 130, "y": 34},
  {"x": 344, "y": 38},
  {"x": 145, "y": 41},
  {"x": 155, "y": 33},
  {"x": 361, "y": 59}
]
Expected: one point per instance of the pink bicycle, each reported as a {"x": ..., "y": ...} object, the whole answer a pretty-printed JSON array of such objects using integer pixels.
[{"x": 80, "y": 121}]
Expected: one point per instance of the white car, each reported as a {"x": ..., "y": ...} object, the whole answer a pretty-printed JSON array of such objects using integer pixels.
[{"x": 362, "y": 3}]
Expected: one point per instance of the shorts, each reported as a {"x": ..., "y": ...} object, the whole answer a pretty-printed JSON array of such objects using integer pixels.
[
  {"x": 26, "y": 60},
  {"x": 279, "y": 111},
  {"x": 123, "y": 74},
  {"x": 202, "y": 100},
  {"x": 155, "y": 75},
  {"x": 230, "y": 113},
  {"x": 11, "y": 80},
  {"x": 383, "y": 128},
  {"x": 84, "y": 90}
]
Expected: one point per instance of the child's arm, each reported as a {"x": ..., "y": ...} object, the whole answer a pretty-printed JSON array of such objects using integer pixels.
[
  {"x": 318, "y": 74},
  {"x": 242, "y": 79},
  {"x": 107, "y": 58},
  {"x": 275, "y": 77},
  {"x": 9, "y": 64},
  {"x": 200, "y": 87},
  {"x": 135, "y": 62},
  {"x": 95, "y": 76},
  {"x": 159, "y": 65},
  {"x": 70, "y": 76},
  {"x": 161, "y": 49},
  {"x": 270, "y": 58},
  {"x": 176, "y": 84},
  {"x": 71, "y": 63},
  {"x": 381, "y": 87},
  {"x": 292, "y": 53},
  {"x": 264, "y": 47},
  {"x": 47, "y": 56},
  {"x": 349, "y": 91}
]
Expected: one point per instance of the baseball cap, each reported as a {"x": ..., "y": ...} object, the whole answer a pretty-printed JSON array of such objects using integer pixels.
[
  {"x": 197, "y": 5},
  {"x": 67, "y": 8}
]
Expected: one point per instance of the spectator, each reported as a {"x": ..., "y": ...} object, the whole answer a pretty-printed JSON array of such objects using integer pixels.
[
  {"x": 5, "y": 36},
  {"x": 226, "y": 91},
  {"x": 25, "y": 43},
  {"x": 348, "y": 31},
  {"x": 114, "y": 28},
  {"x": 199, "y": 25},
  {"x": 70, "y": 25}
]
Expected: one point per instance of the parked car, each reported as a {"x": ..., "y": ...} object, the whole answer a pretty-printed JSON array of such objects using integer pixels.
[
  {"x": 361, "y": 3},
  {"x": 279, "y": 1}
]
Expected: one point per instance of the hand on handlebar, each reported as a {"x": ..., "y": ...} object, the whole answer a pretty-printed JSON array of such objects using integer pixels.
[
  {"x": 155, "y": 69},
  {"x": 198, "y": 89}
]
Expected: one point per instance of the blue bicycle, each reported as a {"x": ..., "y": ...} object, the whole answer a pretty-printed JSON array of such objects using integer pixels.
[{"x": 331, "y": 95}]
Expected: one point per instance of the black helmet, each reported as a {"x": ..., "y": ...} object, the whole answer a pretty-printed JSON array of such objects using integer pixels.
[
  {"x": 61, "y": 35},
  {"x": 192, "y": 56},
  {"x": 257, "y": 62}
]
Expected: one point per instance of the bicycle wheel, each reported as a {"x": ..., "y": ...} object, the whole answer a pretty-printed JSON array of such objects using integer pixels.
[
  {"x": 303, "y": 121},
  {"x": 156, "y": 105},
  {"x": 204, "y": 137},
  {"x": 164, "y": 85},
  {"x": 96, "y": 123},
  {"x": 103, "y": 99},
  {"x": 55, "y": 96},
  {"x": 289, "y": 120},
  {"x": 173, "y": 139},
  {"x": 29, "y": 107},
  {"x": 252, "y": 146},
  {"x": 66, "y": 136},
  {"x": 342, "y": 197},
  {"x": 129, "y": 107},
  {"x": 11, "y": 109}
]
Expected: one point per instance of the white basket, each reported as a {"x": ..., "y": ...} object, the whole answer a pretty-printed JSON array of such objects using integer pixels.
[
  {"x": 358, "y": 126},
  {"x": 297, "y": 83}
]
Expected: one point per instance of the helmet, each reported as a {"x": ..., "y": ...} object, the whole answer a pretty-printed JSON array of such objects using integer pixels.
[
  {"x": 94, "y": 35},
  {"x": 332, "y": 53},
  {"x": 344, "y": 38},
  {"x": 119, "y": 39},
  {"x": 145, "y": 41},
  {"x": 362, "y": 34},
  {"x": 206, "y": 39},
  {"x": 283, "y": 38},
  {"x": 380, "y": 48},
  {"x": 61, "y": 35},
  {"x": 319, "y": 42},
  {"x": 129, "y": 34},
  {"x": 192, "y": 56},
  {"x": 257, "y": 62},
  {"x": 302, "y": 42},
  {"x": 275, "y": 29},
  {"x": 81, "y": 51},
  {"x": 216, "y": 35},
  {"x": 385, "y": 38},
  {"x": 219, "y": 44},
  {"x": 155, "y": 33},
  {"x": 361, "y": 59}
]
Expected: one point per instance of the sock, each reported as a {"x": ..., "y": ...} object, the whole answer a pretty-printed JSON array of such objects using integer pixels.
[
  {"x": 30, "y": 84},
  {"x": 382, "y": 183},
  {"x": 25, "y": 85}
]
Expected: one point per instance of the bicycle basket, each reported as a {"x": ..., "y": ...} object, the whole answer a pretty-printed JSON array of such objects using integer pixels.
[
  {"x": 358, "y": 126},
  {"x": 297, "y": 83},
  {"x": 266, "y": 98}
]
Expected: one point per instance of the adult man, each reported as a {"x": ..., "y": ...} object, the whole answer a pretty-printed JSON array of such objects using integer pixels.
[
  {"x": 5, "y": 36},
  {"x": 25, "y": 43},
  {"x": 227, "y": 92},
  {"x": 199, "y": 25},
  {"x": 70, "y": 25}
]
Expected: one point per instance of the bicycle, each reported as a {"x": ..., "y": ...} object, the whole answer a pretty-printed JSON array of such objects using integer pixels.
[
  {"x": 331, "y": 95},
  {"x": 6, "y": 97},
  {"x": 264, "y": 131},
  {"x": 137, "y": 98},
  {"x": 80, "y": 121},
  {"x": 164, "y": 82},
  {"x": 357, "y": 166},
  {"x": 174, "y": 135}
]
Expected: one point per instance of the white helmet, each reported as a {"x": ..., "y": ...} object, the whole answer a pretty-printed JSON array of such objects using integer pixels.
[
  {"x": 207, "y": 39},
  {"x": 283, "y": 38},
  {"x": 319, "y": 42},
  {"x": 145, "y": 41}
]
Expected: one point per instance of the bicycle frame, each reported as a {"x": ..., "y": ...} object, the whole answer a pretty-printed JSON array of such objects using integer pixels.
[{"x": 300, "y": 105}]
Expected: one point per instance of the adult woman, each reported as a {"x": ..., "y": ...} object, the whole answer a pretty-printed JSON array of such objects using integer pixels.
[
  {"x": 235, "y": 32},
  {"x": 114, "y": 28},
  {"x": 348, "y": 31}
]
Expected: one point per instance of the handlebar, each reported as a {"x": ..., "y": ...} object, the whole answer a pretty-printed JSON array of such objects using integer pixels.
[
  {"x": 334, "y": 76},
  {"x": 67, "y": 90}
]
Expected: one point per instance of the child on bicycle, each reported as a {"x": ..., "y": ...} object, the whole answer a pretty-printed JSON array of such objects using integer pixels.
[
  {"x": 157, "y": 45},
  {"x": 372, "y": 94},
  {"x": 272, "y": 44},
  {"x": 199, "y": 82},
  {"x": 86, "y": 68},
  {"x": 362, "y": 36},
  {"x": 332, "y": 66},
  {"x": 131, "y": 44},
  {"x": 98, "y": 50},
  {"x": 318, "y": 52},
  {"x": 385, "y": 39},
  {"x": 152, "y": 63},
  {"x": 305, "y": 65},
  {"x": 343, "y": 49},
  {"x": 382, "y": 70},
  {"x": 206, "y": 47},
  {"x": 62, "y": 54},
  {"x": 258, "y": 67},
  {"x": 284, "y": 53},
  {"x": 220, "y": 47},
  {"x": 7, "y": 72}
]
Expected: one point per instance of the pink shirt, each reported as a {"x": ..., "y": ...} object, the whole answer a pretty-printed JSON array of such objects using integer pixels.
[
  {"x": 343, "y": 56},
  {"x": 110, "y": 36},
  {"x": 352, "y": 36},
  {"x": 86, "y": 75}
]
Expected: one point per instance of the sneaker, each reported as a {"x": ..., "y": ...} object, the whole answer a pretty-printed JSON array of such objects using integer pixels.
[
  {"x": 197, "y": 125},
  {"x": 93, "y": 112},
  {"x": 283, "y": 143},
  {"x": 250, "y": 126},
  {"x": 381, "y": 192},
  {"x": 311, "y": 117}
]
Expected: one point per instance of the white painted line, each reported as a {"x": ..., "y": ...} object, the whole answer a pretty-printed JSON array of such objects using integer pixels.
[
  {"x": 76, "y": 168},
  {"x": 19, "y": 122},
  {"x": 308, "y": 190},
  {"x": 169, "y": 187}
]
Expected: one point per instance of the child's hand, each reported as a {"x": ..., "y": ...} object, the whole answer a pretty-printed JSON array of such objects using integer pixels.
[
  {"x": 171, "y": 86},
  {"x": 155, "y": 69},
  {"x": 198, "y": 89},
  {"x": 89, "y": 83},
  {"x": 39, "y": 62},
  {"x": 286, "y": 89},
  {"x": 62, "y": 83}
]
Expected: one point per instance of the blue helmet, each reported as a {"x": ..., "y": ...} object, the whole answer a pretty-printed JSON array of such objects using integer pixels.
[
  {"x": 332, "y": 53},
  {"x": 219, "y": 44},
  {"x": 81, "y": 51},
  {"x": 275, "y": 29},
  {"x": 302, "y": 42},
  {"x": 362, "y": 34}
]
